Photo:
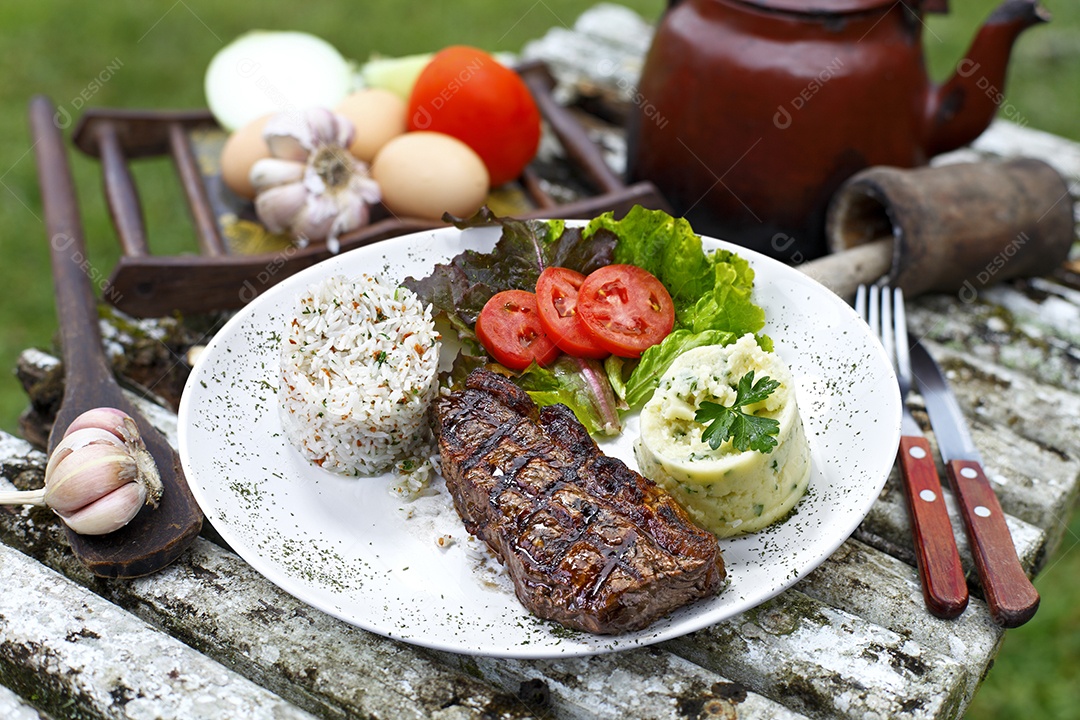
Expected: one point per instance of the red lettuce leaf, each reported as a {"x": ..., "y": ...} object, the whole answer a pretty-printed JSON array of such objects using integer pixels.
[{"x": 460, "y": 287}]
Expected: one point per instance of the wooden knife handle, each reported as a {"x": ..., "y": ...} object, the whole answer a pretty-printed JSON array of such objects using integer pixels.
[
  {"x": 1012, "y": 598},
  {"x": 942, "y": 575}
]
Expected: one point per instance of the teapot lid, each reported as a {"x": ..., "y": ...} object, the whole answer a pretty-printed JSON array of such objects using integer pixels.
[{"x": 819, "y": 7}]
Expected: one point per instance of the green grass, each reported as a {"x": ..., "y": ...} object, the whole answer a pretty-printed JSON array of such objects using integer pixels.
[{"x": 158, "y": 52}]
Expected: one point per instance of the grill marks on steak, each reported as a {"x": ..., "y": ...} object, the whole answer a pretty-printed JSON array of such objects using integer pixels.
[{"x": 587, "y": 541}]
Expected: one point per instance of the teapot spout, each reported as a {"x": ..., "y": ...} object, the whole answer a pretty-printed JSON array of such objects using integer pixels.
[{"x": 960, "y": 109}]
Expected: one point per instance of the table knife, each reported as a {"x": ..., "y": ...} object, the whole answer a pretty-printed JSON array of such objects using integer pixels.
[{"x": 1011, "y": 597}]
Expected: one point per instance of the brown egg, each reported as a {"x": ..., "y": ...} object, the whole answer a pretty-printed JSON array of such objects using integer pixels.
[
  {"x": 424, "y": 174},
  {"x": 378, "y": 115},
  {"x": 242, "y": 150}
]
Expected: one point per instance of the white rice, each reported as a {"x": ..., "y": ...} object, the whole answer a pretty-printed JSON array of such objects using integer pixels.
[{"x": 358, "y": 365}]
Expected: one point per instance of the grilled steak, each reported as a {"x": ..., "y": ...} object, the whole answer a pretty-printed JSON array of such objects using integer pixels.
[{"x": 587, "y": 541}]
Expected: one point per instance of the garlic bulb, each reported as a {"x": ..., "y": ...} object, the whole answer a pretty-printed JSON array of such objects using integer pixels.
[
  {"x": 312, "y": 187},
  {"x": 98, "y": 476}
]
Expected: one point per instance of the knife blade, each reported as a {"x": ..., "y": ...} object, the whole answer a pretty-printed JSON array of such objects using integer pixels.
[{"x": 1011, "y": 597}]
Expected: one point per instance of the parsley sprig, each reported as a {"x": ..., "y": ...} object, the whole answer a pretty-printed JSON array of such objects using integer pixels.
[{"x": 746, "y": 431}]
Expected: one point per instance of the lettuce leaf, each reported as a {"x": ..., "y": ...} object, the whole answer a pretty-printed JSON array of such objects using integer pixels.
[
  {"x": 664, "y": 245},
  {"x": 460, "y": 288},
  {"x": 710, "y": 292},
  {"x": 728, "y": 304},
  {"x": 639, "y": 386},
  {"x": 580, "y": 384}
]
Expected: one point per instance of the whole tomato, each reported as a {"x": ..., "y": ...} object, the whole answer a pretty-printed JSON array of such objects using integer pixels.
[{"x": 466, "y": 93}]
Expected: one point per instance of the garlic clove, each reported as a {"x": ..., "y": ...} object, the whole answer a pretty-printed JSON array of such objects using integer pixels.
[
  {"x": 90, "y": 436},
  {"x": 81, "y": 438},
  {"x": 97, "y": 477},
  {"x": 352, "y": 213},
  {"x": 277, "y": 206},
  {"x": 322, "y": 126},
  {"x": 317, "y": 216},
  {"x": 268, "y": 172},
  {"x": 288, "y": 137},
  {"x": 109, "y": 512},
  {"x": 346, "y": 131},
  {"x": 365, "y": 186},
  {"x": 106, "y": 418},
  {"x": 87, "y": 474},
  {"x": 286, "y": 147}
]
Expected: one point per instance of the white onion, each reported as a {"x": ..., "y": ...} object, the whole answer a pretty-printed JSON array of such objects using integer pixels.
[{"x": 264, "y": 72}]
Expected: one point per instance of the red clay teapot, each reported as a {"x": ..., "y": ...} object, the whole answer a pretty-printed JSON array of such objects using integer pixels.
[{"x": 751, "y": 113}]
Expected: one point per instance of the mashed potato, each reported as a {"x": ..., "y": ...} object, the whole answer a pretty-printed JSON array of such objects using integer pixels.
[{"x": 724, "y": 490}]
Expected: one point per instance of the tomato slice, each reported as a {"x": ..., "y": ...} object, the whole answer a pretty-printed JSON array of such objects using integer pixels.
[
  {"x": 556, "y": 300},
  {"x": 509, "y": 329},
  {"x": 626, "y": 309}
]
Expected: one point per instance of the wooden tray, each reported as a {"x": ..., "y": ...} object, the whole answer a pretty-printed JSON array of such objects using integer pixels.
[{"x": 223, "y": 276}]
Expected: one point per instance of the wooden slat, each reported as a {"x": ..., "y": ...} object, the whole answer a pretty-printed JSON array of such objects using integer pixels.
[
  {"x": 644, "y": 683},
  {"x": 120, "y": 193},
  {"x": 882, "y": 589},
  {"x": 13, "y": 707},
  {"x": 79, "y": 655},
  {"x": 206, "y": 227},
  {"x": 825, "y": 662}
]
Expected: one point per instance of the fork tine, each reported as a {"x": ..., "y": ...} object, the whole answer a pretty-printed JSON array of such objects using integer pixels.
[
  {"x": 860, "y": 302},
  {"x": 888, "y": 330},
  {"x": 873, "y": 313},
  {"x": 903, "y": 355}
]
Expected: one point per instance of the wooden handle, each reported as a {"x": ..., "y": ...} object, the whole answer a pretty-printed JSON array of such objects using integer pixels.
[
  {"x": 942, "y": 575},
  {"x": 1012, "y": 598},
  {"x": 155, "y": 537},
  {"x": 72, "y": 270},
  {"x": 845, "y": 270},
  {"x": 582, "y": 151}
]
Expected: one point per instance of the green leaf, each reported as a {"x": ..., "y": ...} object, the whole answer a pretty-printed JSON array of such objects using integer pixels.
[
  {"x": 460, "y": 287},
  {"x": 745, "y": 430},
  {"x": 713, "y": 293},
  {"x": 750, "y": 392},
  {"x": 581, "y": 385},
  {"x": 728, "y": 304},
  {"x": 639, "y": 387},
  {"x": 665, "y": 246}
]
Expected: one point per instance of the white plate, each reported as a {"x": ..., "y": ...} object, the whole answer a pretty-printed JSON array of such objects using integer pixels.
[{"x": 349, "y": 548}]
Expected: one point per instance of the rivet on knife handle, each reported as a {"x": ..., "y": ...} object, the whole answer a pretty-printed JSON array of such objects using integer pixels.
[
  {"x": 1011, "y": 597},
  {"x": 943, "y": 583}
]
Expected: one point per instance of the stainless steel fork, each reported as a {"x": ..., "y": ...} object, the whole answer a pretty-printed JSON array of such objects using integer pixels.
[{"x": 943, "y": 584}]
